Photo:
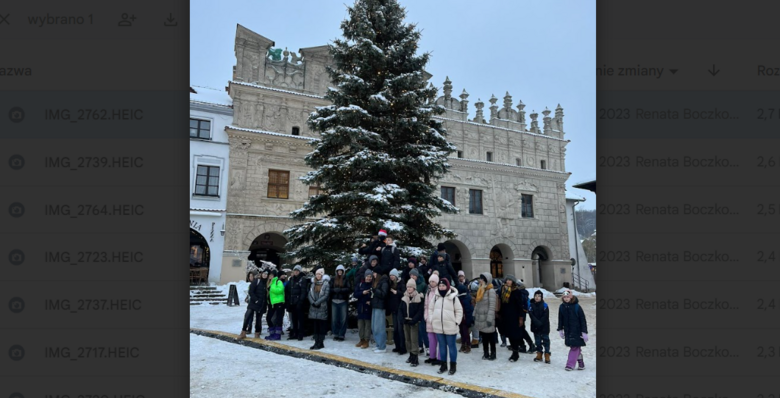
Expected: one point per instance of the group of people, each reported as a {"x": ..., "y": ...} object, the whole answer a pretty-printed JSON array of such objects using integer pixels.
[{"x": 419, "y": 307}]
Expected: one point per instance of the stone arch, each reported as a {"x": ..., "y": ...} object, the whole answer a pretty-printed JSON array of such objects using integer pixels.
[
  {"x": 502, "y": 260},
  {"x": 271, "y": 227},
  {"x": 460, "y": 256},
  {"x": 541, "y": 264}
]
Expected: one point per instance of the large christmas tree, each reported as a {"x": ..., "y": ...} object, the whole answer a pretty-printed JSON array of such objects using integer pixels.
[{"x": 380, "y": 151}]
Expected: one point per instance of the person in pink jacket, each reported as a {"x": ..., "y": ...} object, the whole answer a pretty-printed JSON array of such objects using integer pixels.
[
  {"x": 446, "y": 313},
  {"x": 433, "y": 283}
]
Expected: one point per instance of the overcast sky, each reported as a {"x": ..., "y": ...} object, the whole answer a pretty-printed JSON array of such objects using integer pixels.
[{"x": 542, "y": 52}]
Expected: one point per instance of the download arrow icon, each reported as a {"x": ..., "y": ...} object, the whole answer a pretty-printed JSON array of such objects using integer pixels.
[{"x": 713, "y": 71}]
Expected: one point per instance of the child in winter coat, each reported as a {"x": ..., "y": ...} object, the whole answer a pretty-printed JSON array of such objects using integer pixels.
[
  {"x": 540, "y": 325},
  {"x": 573, "y": 328},
  {"x": 411, "y": 312},
  {"x": 363, "y": 295}
]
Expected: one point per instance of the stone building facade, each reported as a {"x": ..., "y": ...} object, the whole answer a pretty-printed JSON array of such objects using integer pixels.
[{"x": 507, "y": 177}]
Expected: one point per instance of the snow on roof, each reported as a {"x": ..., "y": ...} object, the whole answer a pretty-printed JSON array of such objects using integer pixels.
[
  {"x": 276, "y": 89},
  {"x": 270, "y": 133},
  {"x": 208, "y": 95},
  {"x": 570, "y": 196}
]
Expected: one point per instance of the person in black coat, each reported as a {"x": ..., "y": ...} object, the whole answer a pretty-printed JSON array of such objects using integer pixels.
[
  {"x": 411, "y": 263},
  {"x": 299, "y": 292},
  {"x": 540, "y": 325},
  {"x": 525, "y": 335},
  {"x": 379, "y": 291},
  {"x": 443, "y": 265},
  {"x": 573, "y": 328},
  {"x": 396, "y": 291},
  {"x": 512, "y": 311},
  {"x": 390, "y": 258},
  {"x": 371, "y": 265},
  {"x": 256, "y": 305}
]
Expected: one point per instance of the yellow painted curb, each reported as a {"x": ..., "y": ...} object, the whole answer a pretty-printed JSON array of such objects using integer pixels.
[{"x": 355, "y": 362}]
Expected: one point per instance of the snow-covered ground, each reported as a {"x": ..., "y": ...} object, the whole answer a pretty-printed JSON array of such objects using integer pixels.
[
  {"x": 534, "y": 379},
  {"x": 220, "y": 369}
]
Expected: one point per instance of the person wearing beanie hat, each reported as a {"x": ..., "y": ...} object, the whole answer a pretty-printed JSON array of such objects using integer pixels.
[
  {"x": 339, "y": 290},
  {"x": 363, "y": 295},
  {"x": 318, "y": 311},
  {"x": 411, "y": 263},
  {"x": 296, "y": 293},
  {"x": 433, "y": 285},
  {"x": 395, "y": 325},
  {"x": 255, "y": 305},
  {"x": 410, "y": 312},
  {"x": 462, "y": 277},
  {"x": 540, "y": 326},
  {"x": 370, "y": 265},
  {"x": 573, "y": 328},
  {"x": 275, "y": 316},
  {"x": 446, "y": 314},
  {"x": 380, "y": 289}
]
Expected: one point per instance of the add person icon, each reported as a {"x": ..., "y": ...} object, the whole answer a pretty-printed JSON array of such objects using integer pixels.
[{"x": 125, "y": 21}]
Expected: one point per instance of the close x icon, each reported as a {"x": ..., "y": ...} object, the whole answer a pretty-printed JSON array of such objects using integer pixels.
[{"x": 4, "y": 19}]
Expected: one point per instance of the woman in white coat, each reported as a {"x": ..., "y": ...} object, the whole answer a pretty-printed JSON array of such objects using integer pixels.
[{"x": 445, "y": 314}]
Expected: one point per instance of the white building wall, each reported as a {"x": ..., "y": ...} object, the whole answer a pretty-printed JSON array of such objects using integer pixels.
[
  {"x": 575, "y": 246},
  {"x": 208, "y": 214}
]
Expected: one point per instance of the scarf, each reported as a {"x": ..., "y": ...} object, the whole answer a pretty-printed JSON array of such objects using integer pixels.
[
  {"x": 481, "y": 291},
  {"x": 318, "y": 285},
  {"x": 506, "y": 292},
  {"x": 443, "y": 292}
]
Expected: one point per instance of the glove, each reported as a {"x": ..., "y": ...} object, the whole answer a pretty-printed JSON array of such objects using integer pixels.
[
  {"x": 585, "y": 337},
  {"x": 560, "y": 332},
  {"x": 490, "y": 324}
]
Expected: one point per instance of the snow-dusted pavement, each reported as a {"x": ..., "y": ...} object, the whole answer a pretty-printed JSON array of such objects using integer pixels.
[{"x": 224, "y": 369}]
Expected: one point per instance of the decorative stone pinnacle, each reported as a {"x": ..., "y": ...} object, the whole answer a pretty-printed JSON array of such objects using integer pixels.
[
  {"x": 546, "y": 112},
  {"x": 493, "y": 99},
  {"x": 464, "y": 94}
]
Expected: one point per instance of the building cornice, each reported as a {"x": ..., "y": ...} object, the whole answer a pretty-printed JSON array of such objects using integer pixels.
[
  {"x": 267, "y": 136},
  {"x": 211, "y": 108},
  {"x": 278, "y": 90},
  {"x": 503, "y": 167},
  {"x": 502, "y": 128}
]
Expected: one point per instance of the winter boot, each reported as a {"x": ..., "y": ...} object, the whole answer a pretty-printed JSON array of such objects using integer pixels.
[
  {"x": 429, "y": 360},
  {"x": 243, "y": 335},
  {"x": 547, "y": 357},
  {"x": 360, "y": 343},
  {"x": 531, "y": 349},
  {"x": 414, "y": 362},
  {"x": 521, "y": 349},
  {"x": 538, "y": 356},
  {"x": 514, "y": 356},
  {"x": 365, "y": 344},
  {"x": 452, "y": 368},
  {"x": 475, "y": 343},
  {"x": 322, "y": 341},
  {"x": 485, "y": 351},
  {"x": 466, "y": 349},
  {"x": 257, "y": 335},
  {"x": 580, "y": 363},
  {"x": 462, "y": 347},
  {"x": 291, "y": 336},
  {"x": 409, "y": 360},
  {"x": 443, "y": 367},
  {"x": 492, "y": 356}
]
